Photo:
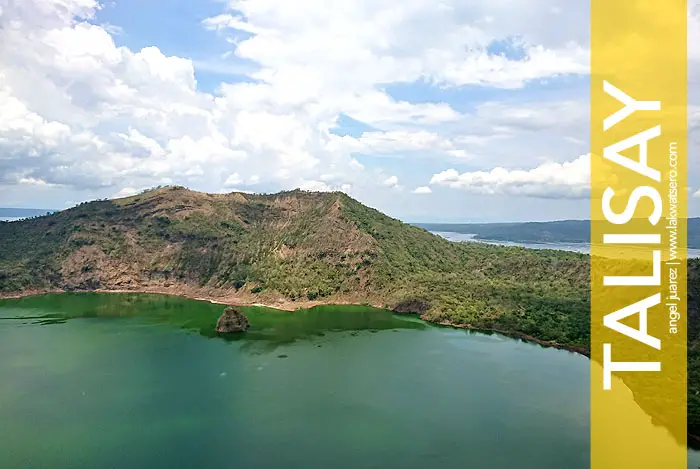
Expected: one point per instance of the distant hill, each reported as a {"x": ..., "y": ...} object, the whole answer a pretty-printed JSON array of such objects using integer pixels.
[
  {"x": 565, "y": 231},
  {"x": 22, "y": 212}
]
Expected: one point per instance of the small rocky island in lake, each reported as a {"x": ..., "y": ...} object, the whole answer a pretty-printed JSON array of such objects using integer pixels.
[{"x": 232, "y": 321}]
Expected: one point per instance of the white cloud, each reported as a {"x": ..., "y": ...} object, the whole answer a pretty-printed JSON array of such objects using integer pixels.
[
  {"x": 80, "y": 111},
  {"x": 484, "y": 69},
  {"x": 391, "y": 181},
  {"x": 33, "y": 182},
  {"x": 226, "y": 21},
  {"x": 422, "y": 190},
  {"x": 388, "y": 41},
  {"x": 112, "y": 29},
  {"x": 127, "y": 192},
  {"x": 549, "y": 180},
  {"x": 233, "y": 180},
  {"x": 535, "y": 116},
  {"x": 236, "y": 189},
  {"x": 399, "y": 141},
  {"x": 317, "y": 186}
]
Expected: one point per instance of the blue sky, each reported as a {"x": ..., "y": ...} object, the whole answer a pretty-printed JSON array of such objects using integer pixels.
[{"x": 430, "y": 111}]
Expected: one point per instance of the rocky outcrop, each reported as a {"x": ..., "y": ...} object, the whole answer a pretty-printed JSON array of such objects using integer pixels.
[
  {"x": 412, "y": 305},
  {"x": 232, "y": 321}
]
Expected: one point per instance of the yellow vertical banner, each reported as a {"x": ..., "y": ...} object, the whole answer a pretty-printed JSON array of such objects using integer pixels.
[{"x": 638, "y": 234}]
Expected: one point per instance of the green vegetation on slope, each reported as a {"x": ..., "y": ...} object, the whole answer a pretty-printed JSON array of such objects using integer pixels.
[{"x": 537, "y": 293}]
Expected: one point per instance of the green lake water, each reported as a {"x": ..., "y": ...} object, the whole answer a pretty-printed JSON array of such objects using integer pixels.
[{"x": 143, "y": 381}]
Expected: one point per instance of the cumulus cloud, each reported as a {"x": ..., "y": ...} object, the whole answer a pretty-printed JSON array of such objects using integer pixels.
[
  {"x": 233, "y": 180},
  {"x": 79, "y": 111},
  {"x": 549, "y": 180},
  {"x": 390, "y": 41},
  {"x": 391, "y": 181},
  {"x": 422, "y": 190}
]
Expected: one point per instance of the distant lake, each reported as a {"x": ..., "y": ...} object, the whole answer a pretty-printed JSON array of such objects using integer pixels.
[
  {"x": 574, "y": 247},
  {"x": 11, "y": 213},
  {"x": 142, "y": 381}
]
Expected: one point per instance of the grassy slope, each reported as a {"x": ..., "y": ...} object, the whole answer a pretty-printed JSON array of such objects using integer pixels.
[{"x": 308, "y": 246}]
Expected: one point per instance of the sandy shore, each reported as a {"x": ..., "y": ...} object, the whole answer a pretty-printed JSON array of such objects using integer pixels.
[{"x": 222, "y": 297}]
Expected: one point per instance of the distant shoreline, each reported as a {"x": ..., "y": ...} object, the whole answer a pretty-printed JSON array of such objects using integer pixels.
[
  {"x": 574, "y": 247},
  {"x": 572, "y": 232}
]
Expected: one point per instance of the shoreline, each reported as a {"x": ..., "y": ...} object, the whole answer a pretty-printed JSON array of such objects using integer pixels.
[
  {"x": 282, "y": 304},
  {"x": 220, "y": 297},
  {"x": 518, "y": 335}
]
